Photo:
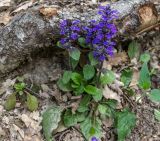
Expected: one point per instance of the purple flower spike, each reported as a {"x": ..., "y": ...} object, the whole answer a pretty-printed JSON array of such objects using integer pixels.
[
  {"x": 98, "y": 34},
  {"x": 94, "y": 139}
]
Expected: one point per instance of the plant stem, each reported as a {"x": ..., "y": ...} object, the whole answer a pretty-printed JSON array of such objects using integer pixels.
[
  {"x": 69, "y": 63},
  {"x": 98, "y": 85},
  {"x": 99, "y": 74}
]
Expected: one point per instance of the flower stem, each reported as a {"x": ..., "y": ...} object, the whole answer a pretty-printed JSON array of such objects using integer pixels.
[{"x": 99, "y": 74}]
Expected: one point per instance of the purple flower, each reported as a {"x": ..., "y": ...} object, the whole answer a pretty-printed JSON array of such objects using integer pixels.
[
  {"x": 63, "y": 23},
  {"x": 110, "y": 50},
  {"x": 76, "y": 22},
  {"x": 63, "y": 41},
  {"x": 75, "y": 28},
  {"x": 98, "y": 34},
  {"x": 74, "y": 36},
  {"x": 94, "y": 139}
]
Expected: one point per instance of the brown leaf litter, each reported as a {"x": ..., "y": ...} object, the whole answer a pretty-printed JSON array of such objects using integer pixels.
[
  {"x": 20, "y": 125},
  {"x": 48, "y": 12},
  {"x": 118, "y": 59},
  {"x": 5, "y": 17}
]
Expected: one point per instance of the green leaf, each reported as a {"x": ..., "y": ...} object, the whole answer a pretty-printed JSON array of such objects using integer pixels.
[
  {"x": 108, "y": 107},
  {"x": 51, "y": 118},
  {"x": 102, "y": 109},
  {"x": 86, "y": 127},
  {"x": 98, "y": 96},
  {"x": 32, "y": 102},
  {"x": 144, "y": 79},
  {"x": 76, "y": 78},
  {"x": 59, "y": 44},
  {"x": 145, "y": 58},
  {"x": 66, "y": 77},
  {"x": 90, "y": 129},
  {"x": 19, "y": 86},
  {"x": 126, "y": 76},
  {"x": 108, "y": 78},
  {"x": 157, "y": 114},
  {"x": 74, "y": 85},
  {"x": 133, "y": 49},
  {"x": 112, "y": 103},
  {"x": 74, "y": 53},
  {"x": 79, "y": 90},
  {"x": 88, "y": 72},
  {"x": 92, "y": 60},
  {"x": 11, "y": 102},
  {"x": 155, "y": 95},
  {"x": 83, "y": 106},
  {"x": 80, "y": 117},
  {"x": 71, "y": 119},
  {"x": 125, "y": 122},
  {"x": 94, "y": 91},
  {"x": 64, "y": 87},
  {"x": 73, "y": 62},
  {"x": 82, "y": 42}
]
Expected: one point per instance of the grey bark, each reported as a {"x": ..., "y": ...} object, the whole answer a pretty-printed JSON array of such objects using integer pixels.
[{"x": 30, "y": 31}]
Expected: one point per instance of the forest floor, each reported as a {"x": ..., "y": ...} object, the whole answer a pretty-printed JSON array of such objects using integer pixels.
[{"x": 42, "y": 74}]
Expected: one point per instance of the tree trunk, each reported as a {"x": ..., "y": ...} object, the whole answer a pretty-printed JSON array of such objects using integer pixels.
[{"x": 34, "y": 28}]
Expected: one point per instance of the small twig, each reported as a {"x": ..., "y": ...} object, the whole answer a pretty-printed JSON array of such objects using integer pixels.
[
  {"x": 76, "y": 97},
  {"x": 129, "y": 101},
  {"x": 32, "y": 92},
  {"x": 148, "y": 28},
  {"x": 62, "y": 134},
  {"x": 56, "y": 135}
]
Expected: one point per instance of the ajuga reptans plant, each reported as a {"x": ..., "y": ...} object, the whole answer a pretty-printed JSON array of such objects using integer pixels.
[{"x": 88, "y": 46}]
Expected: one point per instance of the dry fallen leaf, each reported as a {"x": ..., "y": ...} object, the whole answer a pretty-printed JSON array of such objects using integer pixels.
[
  {"x": 109, "y": 94},
  {"x": 5, "y": 85},
  {"x": 32, "y": 138},
  {"x": 20, "y": 131},
  {"x": 23, "y": 6},
  {"x": 118, "y": 59},
  {"x": 5, "y": 120},
  {"x": 48, "y": 11},
  {"x": 27, "y": 121},
  {"x": 135, "y": 78},
  {"x": 75, "y": 105},
  {"x": 108, "y": 122},
  {"x": 147, "y": 14},
  {"x": 30, "y": 122},
  {"x": 5, "y": 17},
  {"x": 1, "y": 110},
  {"x": 35, "y": 115},
  {"x": 2, "y": 132},
  {"x": 107, "y": 65}
]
